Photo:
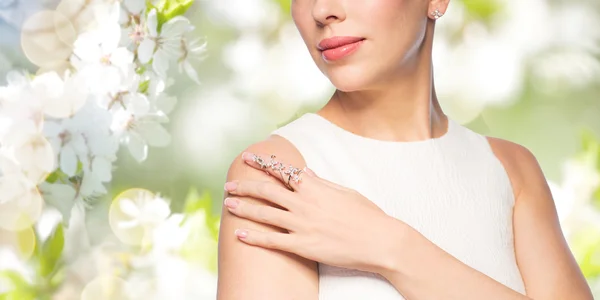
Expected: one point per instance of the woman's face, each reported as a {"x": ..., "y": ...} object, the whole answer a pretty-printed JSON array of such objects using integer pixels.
[{"x": 389, "y": 34}]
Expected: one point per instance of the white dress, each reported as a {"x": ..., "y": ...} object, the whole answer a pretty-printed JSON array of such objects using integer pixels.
[{"x": 452, "y": 189}]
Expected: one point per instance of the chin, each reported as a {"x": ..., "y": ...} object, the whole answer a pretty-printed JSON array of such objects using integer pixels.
[{"x": 348, "y": 78}]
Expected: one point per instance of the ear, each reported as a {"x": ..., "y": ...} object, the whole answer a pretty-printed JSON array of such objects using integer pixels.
[{"x": 437, "y": 8}]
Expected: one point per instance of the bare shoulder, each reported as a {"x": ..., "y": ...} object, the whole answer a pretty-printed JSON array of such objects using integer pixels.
[
  {"x": 274, "y": 144},
  {"x": 248, "y": 272},
  {"x": 519, "y": 162},
  {"x": 547, "y": 266}
]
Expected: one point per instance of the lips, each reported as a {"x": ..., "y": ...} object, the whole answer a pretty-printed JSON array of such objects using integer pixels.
[
  {"x": 337, "y": 41},
  {"x": 336, "y": 48}
]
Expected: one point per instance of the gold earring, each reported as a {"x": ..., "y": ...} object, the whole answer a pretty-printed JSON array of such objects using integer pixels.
[{"x": 437, "y": 14}]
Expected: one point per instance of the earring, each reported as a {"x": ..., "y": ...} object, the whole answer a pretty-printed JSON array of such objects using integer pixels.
[{"x": 437, "y": 14}]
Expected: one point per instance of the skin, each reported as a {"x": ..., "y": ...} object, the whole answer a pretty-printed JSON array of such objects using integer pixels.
[{"x": 384, "y": 91}]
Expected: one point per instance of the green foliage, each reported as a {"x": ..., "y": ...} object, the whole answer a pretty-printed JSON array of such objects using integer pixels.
[
  {"x": 21, "y": 289},
  {"x": 591, "y": 152},
  {"x": 51, "y": 251},
  {"x": 195, "y": 202},
  {"x": 285, "y": 5},
  {"x": 586, "y": 244},
  {"x": 144, "y": 85},
  {"x": 49, "y": 273},
  {"x": 482, "y": 9},
  {"x": 169, "y": 9},
  {"x": 476, "y": 9},
  {"x": 591, "y": 147},
  {"x": 201, "y": 244},
  {"x": 140, "y": 70},
  {"x": 57, "y": 175}
]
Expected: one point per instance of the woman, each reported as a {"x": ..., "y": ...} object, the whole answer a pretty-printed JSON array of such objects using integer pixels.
[{"x": 400, "y": 201}]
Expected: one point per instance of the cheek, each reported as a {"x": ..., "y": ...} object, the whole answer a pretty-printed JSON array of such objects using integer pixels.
[
  {"x": 305, "y": 25},
  {"x": 397, "y": 33},
  {"x": 395, "y": 22},
  {"x": 380, "y": 13}
]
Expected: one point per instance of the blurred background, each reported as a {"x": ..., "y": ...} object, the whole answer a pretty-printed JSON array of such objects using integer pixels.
[{"x": 523, "y": 70}]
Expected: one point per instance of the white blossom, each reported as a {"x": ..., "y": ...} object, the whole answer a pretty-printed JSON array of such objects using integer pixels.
[
  {"x": 138, "y": 127},
  {"x": 68, "y": 143},
  {"x": 60, "y": 131},
  {"x": 60, "y": 98},
  {"x": 192, "y": 51},
  {"x": 131, "y": 9},
  {"x": 103, "y": 62},
  {"x": 144, "y": 211},
  {"x": 164, "y": 45}
]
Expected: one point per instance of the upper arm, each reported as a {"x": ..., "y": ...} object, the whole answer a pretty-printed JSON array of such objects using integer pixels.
[
  {"x": 248, "y": 272},
  {"x": 547, "y": 265}
]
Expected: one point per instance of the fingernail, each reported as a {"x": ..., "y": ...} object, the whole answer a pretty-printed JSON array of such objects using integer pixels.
[
  {"x": 247, "y": 156},
  {"x": 231, "y": 202},
  {"x": 241, "y": 233},
  {"x": 230, "y": 186}
]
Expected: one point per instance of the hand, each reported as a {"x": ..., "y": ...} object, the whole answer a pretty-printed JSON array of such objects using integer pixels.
[{"x": 326, "y": 222}]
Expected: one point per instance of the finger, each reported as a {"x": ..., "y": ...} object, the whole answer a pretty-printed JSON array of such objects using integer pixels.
[
  {"x": 286, "y": 173},
  {"x": 265, "y": 190},
  {"x": 271, "y": 240},
  {"x": 261, "y": 213}
]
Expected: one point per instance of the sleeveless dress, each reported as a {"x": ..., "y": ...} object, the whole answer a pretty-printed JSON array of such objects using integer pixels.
[{"x": 452, "y": 189}]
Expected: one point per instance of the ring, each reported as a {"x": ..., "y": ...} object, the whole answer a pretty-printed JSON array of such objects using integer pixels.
[
  {"x": 257, "y": 159},
  {"x": 292, "y": 172}
]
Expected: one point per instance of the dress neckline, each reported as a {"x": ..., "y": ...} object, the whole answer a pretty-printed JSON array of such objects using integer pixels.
[{"x": 450, "y": 131}]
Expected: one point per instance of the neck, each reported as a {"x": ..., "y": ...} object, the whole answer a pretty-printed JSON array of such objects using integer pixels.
[{"x": 403, "y": 107}]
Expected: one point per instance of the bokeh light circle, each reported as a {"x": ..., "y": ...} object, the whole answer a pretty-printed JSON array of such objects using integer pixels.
[
  {"x": 118, "y": 217},
  {"x": 20, "y": 203},
  {"x": 47, "y": 37},
  {"x": 105, "y": 287},
  {"x": 83, "y": 14},
  {"x": 35, "y": 157},
  {"x": 20, "y": 242}
]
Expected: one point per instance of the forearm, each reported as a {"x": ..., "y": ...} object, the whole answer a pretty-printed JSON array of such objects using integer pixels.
[{"x": 419, "y": 269}]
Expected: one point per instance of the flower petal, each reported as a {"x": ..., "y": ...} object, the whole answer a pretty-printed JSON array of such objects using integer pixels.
[
  {"x": 128, "y": 207},
  {"x": 158, "y": 209},
  {"x": 153, "y": 133},
  {"x": 146, "y": 50},
  {"x": 48, "y": 85},
  {"x": 61, "y": 196},
  {"x": 175, "y": 27},
  {"x": 137, "y": 147},
  {"x": 91, "y": 185},
  {"x": 137, "y": 104},
  {"x": 190, "y": 71},
  {"x": 160, "y": 64},
  {"x": 152, "y": 23},
  {"x": 111, "y": 36},
  {"x": 86, "y": 47},
  {"x": 68, "y": 160},
  {"x": 70, "y": 101},
  {"x": 52, "y": 129},
  {"x": 135, "y": 6},
  {"x": 121, "y": 57},
  {"x": 128, "y": 224},
  {"x": 102, "y": 167}
]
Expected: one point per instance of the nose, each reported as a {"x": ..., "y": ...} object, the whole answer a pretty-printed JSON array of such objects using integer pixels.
[{"x": 326, "y": 12}]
